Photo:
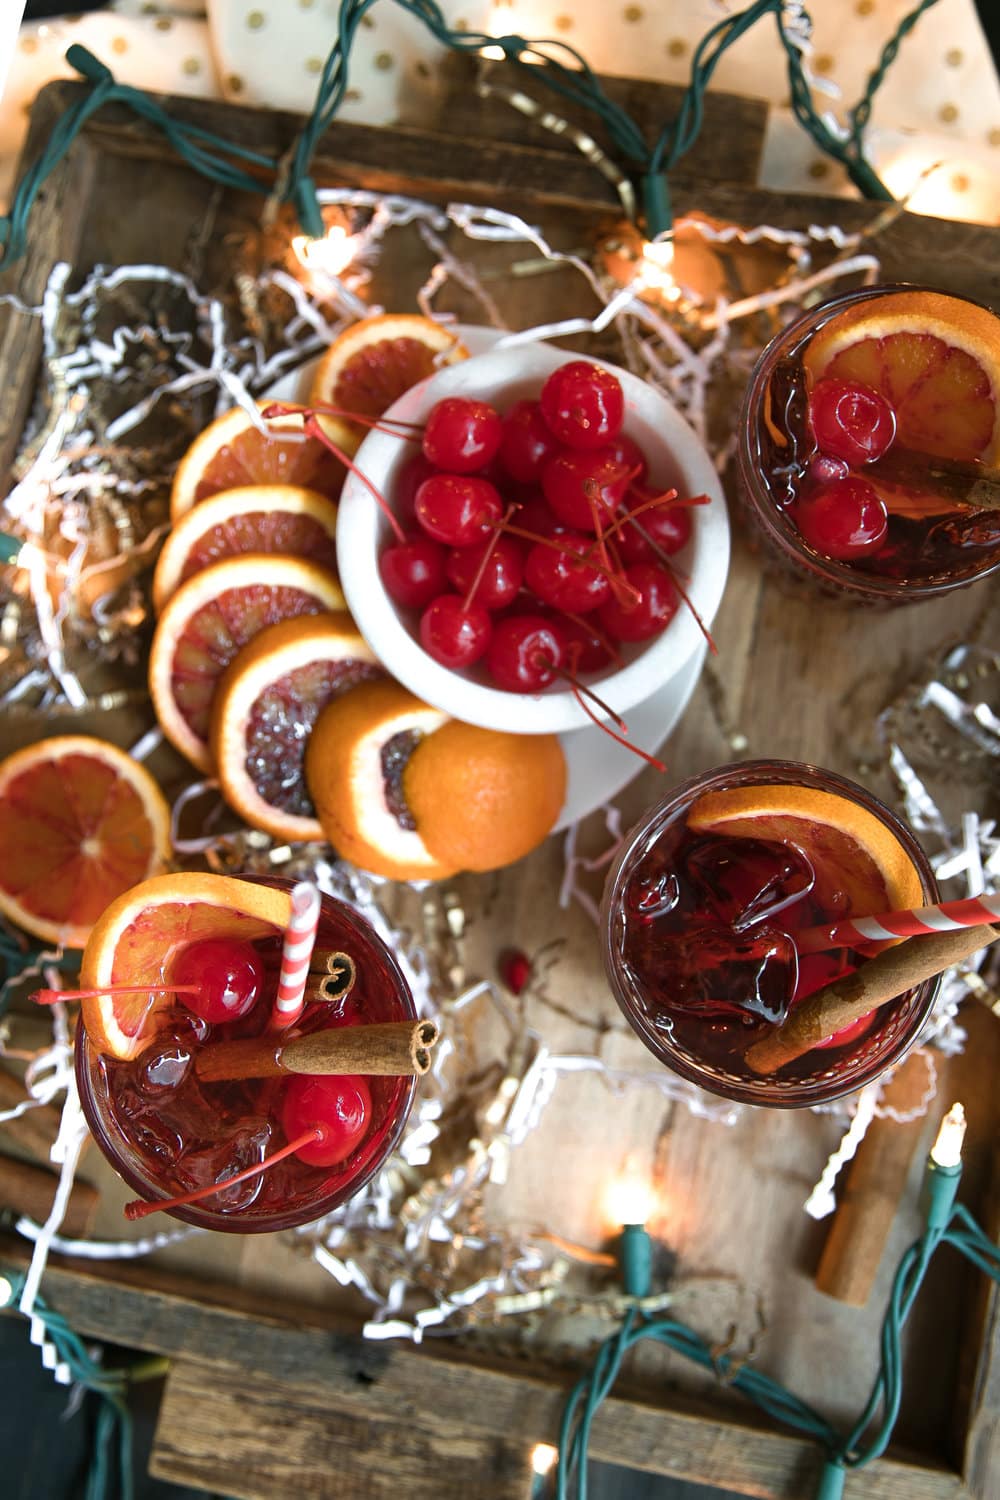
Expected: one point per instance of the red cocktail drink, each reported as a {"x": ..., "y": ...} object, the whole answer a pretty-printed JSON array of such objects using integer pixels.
[
  {"x": 700, "y": 915},
  {"x": 168, "y": 1131},
  {"x": 870, "y": 444}
]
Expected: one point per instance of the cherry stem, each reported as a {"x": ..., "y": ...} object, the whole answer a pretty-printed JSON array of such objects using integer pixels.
[
  {"x": 667, "y": 499},
  {"x": 665, "y": 560},
  {"x": 51, "y": 997},
  {"x": 139, "y": 1208},
  {"x": 589, "y": 490},
  {"x": 615, "y": 579},
  {"x": 581, "y": 693},
  {"x": 378, "y": 424},
  {"x": 614, "y": 654},
  {"x": 490, "y": 549},
  {"x": 569, "y": 675},
  {"x": 314, "y": 428}
]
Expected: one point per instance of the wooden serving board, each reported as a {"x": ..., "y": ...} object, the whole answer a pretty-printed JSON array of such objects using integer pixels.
[{"x": 294, "y": 1387}]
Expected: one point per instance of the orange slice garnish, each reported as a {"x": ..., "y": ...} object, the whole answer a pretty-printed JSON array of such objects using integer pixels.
[
  {"x": 255, "y": 518},
  {"x": 136, "y": 939},
  {"x": 80, "y": 822},
  {"x": 345, "y": 773},
  {"x": 209, "y": 619},
  {"x": 935, "y": 359},
  {"x": 861, "y": 867},
  {"x": 265, "y": 708},
  {"x": 234, "y": 452},
  {"x": 375, "y": 361}
]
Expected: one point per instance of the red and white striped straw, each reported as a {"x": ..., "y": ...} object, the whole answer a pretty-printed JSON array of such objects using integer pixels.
[
  {"x": 296, "y": 953},
  {"x": 897, "y": 924}
]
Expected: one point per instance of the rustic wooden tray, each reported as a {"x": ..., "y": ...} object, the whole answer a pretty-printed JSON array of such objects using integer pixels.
[{"x": 299, "y": 1402}]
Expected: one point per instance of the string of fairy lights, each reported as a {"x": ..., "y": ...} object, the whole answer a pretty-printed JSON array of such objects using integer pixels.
[
  {"x": 564, "y": 73},
  {"x": 558, "y": 67}
]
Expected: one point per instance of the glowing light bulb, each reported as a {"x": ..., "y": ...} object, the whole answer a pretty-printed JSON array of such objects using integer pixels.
[
  {"x": 943, "y": 187},
  {"x": 947, "y": 1149},
  {"x": 655, "y": 272},
  {"x": 330, "y": 255},
  {"x": 543, "y": 1458},
  {"x": 629, "y": 1198},
  {"x": 498, "y": 23}
]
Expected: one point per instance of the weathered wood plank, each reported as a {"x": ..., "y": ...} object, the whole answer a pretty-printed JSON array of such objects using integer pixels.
[
  {"x": 293, "y": 1350},
  {"x": 728, "y": 147},
  {"x": 258, "y": 1439},
  {"x": 977, "y": 1414},
  {"x": 57, "y": 222}
]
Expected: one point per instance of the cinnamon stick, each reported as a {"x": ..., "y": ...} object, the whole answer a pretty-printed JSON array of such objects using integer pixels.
[
  {"x": 391, "y": 1048},
  {"x": 876, "y": 1180},
  {"x": 880, "y": 979},
  {"x": 29, "y": 1190},
  {"x": 35, "y": 1131}
]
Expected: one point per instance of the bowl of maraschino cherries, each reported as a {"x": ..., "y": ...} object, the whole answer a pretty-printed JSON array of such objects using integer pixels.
[{"x": 530, "y": 540}]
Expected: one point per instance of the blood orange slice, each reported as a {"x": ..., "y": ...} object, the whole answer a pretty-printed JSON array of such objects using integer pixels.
[
  {"x": 209, "y": 619},
  {"x": 858, "y": 860},
  {"x": 281, "y": 518},
  {"x": 265, "y": 708},
  {"x": 356, "y": 758},
  {"x": 80, "y": 822},
  {"x": 935, "y": 359},
  {"x": 234, "y": 452},
  {"x": 139, "y": 936},
  {"x": 375, "y": 361}
]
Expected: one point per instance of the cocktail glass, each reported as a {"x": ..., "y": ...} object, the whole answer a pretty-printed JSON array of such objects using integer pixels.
[
  {"x": 165, "y": 1131},
  {"x": 685, "y": 965},
  {"x": 943, "y": 526}
]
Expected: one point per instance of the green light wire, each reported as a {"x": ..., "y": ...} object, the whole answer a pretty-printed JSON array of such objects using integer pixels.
[
  {"x": 947, "y": 1223},
  {"x": 573, "y": 80},
  {"x": 114, "y": 1420}
]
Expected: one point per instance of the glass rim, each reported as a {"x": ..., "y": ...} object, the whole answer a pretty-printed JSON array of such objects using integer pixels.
[
  {"x": 786, "y": 538},
  {"x": 113, "y": 1146},
  {"x": 795, "y": 1094}
]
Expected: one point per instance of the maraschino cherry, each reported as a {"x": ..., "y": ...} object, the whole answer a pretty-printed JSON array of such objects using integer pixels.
[
  {"x": 218, "y": 979},
  {"x": 340, "y": 1106},
  {"x": 414, "y": 571},
  {"x": 462, "y": 435},
  {"x": 851, "y": 421},
  {"x": 226, "y": 975},
  {"x": 583, "y": 404},
  {"x": 846, "y": 519},
  {"x": 324, "y": 1119}
]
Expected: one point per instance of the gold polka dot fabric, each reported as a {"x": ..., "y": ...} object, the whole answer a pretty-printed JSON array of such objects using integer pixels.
[
  {"x": 939, "y": 103},
  {"x": 273, "y": 46},
  {"x": 164, "y": 53},
  {"x": 934, "y": 137}
]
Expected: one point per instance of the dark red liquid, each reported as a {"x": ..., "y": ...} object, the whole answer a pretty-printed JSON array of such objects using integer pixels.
[
  {"x": 166, "y": 1129},
  {"x": 708, "y": 945},
  {"x": 935, "y": 528}
]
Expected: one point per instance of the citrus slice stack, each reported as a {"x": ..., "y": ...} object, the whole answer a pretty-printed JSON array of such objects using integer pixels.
[
  {"x": 375, "y": 361},
  {"x": 138, "y": 937},
  {"x": 265, "y": 708},
  {"x": 233, "y": 452},
  {"x": 861, "y": 867},
  {"x": 80, "y": 822},
  {"x": 279, "y": 518},
  {"x": 935, "y": 359},
  {"x": 209, "y": 619},
  {"x": 355, "y": 763}
]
